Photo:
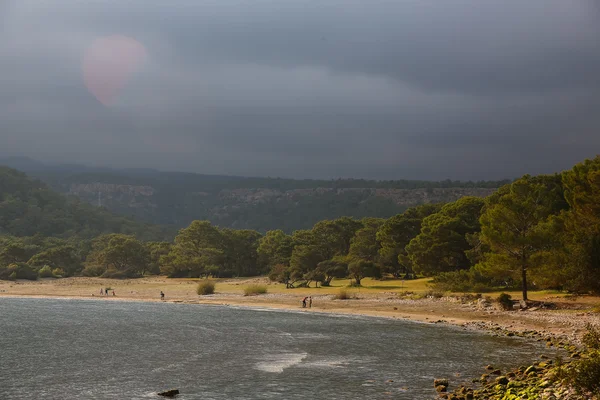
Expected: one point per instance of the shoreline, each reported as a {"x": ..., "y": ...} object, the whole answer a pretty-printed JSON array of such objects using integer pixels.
[
  {"x": 567, "y": 318},
  {"x": 532, "y": 324}
]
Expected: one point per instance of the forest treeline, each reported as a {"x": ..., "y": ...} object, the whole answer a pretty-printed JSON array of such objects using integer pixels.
[{"x": 537, "y": 232}]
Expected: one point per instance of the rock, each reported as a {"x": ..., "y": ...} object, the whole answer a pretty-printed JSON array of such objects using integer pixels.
[
  {"x": 440, "y": 382},
  {"x": 489, "y": 367},
  {"x": 441, "y": 388},
  {"x": 502, "y": 380},
  {"x": 496, "y": 372},
  {"x": 530, "y": 370},
  {"x": 169, "y": 393}
]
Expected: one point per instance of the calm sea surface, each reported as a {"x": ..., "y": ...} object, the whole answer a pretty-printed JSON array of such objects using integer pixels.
[{"x": 77, "y": 349}]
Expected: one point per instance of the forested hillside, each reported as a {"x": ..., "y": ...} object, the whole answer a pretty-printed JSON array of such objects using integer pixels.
[
  {"x": 29, "y": 207},
  {"x": 262, "y": 204}
]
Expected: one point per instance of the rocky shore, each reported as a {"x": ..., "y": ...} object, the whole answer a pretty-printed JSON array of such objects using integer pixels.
[{"x": 546, "y": 379}]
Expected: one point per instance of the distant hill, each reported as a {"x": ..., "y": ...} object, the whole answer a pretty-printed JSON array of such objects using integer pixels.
[
  {"x": 29, "y": 207},
  {"x": 177, "y": 198}
]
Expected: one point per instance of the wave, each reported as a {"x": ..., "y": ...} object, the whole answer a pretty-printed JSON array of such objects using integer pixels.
[{"x": 276, "y": 363}]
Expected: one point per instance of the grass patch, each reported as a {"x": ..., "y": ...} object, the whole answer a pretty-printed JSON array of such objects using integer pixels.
[
  {"x": 205, "y": 288},
  {"x": 253, "y": 290}
]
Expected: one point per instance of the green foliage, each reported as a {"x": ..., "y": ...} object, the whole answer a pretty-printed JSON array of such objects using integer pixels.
[
  {"x": 513, "y": 225},
  {"x": 201, "y": 247},
  {"x": 205, "y": 287},
  {"x": 330, "y": 269},
  {"x": 156, "y": 250},
  {"x": 362, "y": 269},
  {"x": 64, "y": 257},
  {"x": 505, "y": 301},
  {"x": 93, "y": 270},
  {"x": 45, "y": 272},
  {"x": 463, "y": 281},
  {"x": 29, "y": 207},
  {"x": 58, "y": 273},
  {"x": 395, "y": 234},
  {"x": 18, "y": 271},
  {"x": 121, "y": 255},
  {"x": 442, "y": 242},
  {"x": 253, "y": 290},
  {"x": 591, "y": 339},
  {"x": 364, "y": 245},
  {"x": 585, "y": 374},
  {"x": 275, "y": 248}
]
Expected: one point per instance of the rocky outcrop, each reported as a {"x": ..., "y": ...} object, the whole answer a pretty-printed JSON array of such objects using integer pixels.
[{"x": 169, "y": 393}]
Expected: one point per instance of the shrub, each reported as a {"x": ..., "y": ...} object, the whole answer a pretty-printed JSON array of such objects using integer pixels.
[
  {"x": 342, "y": 294},
  {"x": 45, "y": 272},
  {"x": 93, "y": 270},
  {"x": 592, "y": 337},
  {"x": 505, "y": 301},
  {"x": 585, "y": 373},
  {"x": 252, "y": 290},
  {"x": 18, "y": 271},
  {"x": 205, "y": 287},
  {"x": 58, "y": 272}
]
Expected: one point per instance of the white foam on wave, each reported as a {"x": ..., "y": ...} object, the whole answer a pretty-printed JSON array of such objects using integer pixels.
[{"x": 276, "y": 363}]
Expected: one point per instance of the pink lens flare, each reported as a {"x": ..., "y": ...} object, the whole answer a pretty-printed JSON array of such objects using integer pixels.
[{"x": 109, "y": 63}]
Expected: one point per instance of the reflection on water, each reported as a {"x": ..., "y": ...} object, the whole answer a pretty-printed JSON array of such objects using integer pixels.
[{"x": 57, "y": 349}]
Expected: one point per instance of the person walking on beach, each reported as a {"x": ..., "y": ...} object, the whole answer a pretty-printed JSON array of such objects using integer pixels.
[
  {"x": 310, "y": 302},
  {"x": 304, "y": 302},
  {"x": 162, "y": 295},
  {"x": 101, "y": 291},
  {"x": 106, "y": 291}
]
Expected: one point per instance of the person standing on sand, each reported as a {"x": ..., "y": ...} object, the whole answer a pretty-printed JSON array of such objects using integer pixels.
[
  {"x": 310, "y": 302},
  {"x": 304, "y": 302},
  {"x": 101, "y": 291},
  {"x": 162, "y": 295}
]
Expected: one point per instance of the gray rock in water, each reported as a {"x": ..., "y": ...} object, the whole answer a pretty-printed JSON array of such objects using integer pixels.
[{"x": 169, "y": 393}]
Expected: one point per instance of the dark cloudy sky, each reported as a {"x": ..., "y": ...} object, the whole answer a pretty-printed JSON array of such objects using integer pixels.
[{"x": 388, "y": 89}]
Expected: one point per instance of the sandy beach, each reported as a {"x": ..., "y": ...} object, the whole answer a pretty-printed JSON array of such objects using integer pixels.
[{"x": 567, "y": 318}]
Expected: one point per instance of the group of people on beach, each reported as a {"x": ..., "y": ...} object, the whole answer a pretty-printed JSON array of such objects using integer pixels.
[
  {"x": 104, "y": 292},
  {"x": 307, "y": 300}
]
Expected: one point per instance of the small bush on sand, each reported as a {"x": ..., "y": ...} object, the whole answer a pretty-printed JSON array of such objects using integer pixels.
[
  {"x": 205, "y": 287},
  {"x": 505, "y": 301},
  {"x": 253, "y": 290},
  {"x": 342, "y": 294}
]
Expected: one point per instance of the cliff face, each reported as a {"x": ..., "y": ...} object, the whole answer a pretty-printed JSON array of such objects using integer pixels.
[{"x": 114, "y": 196}]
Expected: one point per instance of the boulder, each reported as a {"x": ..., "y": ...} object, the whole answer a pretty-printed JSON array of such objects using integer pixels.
[
  {"x": 440, "y": 382},
  {"x": 502, "y": 380},
  {"x": 169, "y": 393}
]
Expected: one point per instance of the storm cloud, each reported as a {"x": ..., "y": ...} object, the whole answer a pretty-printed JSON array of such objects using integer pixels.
[{"x": 428, "y": 89}]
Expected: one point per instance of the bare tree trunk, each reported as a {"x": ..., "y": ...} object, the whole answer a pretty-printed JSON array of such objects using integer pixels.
[{"x": 524, "y": 279}]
